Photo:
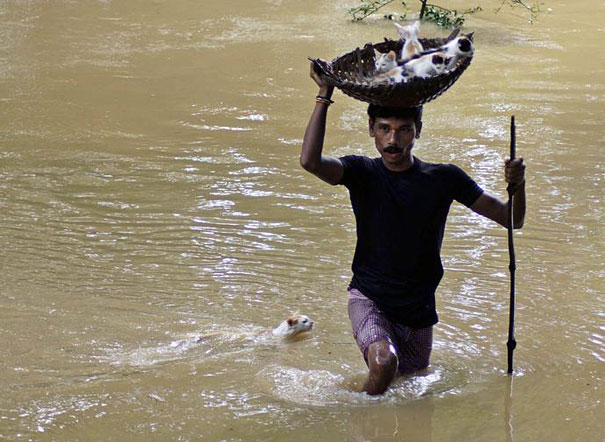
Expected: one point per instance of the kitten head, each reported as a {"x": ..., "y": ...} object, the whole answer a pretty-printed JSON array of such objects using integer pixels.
[
  {"x": 294, "y": 325},
  {"x": 409, "y": 32},
  {"x": 465, "y": 45},
  {"x": 459, "y": 48},
  {"x": 299, "y": 324},
  {"x": 384, "y": 62},
  {"x": 441, "y": 62}
]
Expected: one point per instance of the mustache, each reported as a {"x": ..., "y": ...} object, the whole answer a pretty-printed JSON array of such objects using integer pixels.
[{"x": 392, "y": 148}]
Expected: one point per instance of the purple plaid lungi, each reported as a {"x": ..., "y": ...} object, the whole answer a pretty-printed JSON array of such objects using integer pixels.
[{"x": 412, "y": 345}]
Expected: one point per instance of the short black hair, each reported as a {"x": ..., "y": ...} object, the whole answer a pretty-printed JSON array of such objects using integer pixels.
[{"x": 375, "y": 111}]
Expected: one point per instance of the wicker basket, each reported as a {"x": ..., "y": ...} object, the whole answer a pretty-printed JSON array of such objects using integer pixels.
[{"x": 352, "y": 73}]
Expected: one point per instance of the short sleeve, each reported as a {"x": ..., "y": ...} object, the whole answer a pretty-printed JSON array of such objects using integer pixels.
[
  {"x": 353, "y": 170},
  {"x": 465, "y": 189}
]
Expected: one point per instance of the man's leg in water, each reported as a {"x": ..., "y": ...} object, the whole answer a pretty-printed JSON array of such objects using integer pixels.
[
  {"x": 372, "y": 333},
  {"x": 388, "y": 348},
  {"x": 382, "y": 362}
]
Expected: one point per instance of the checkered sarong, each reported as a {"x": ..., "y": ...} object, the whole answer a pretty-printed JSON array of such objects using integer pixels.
[{"x": 413, "y": 346}]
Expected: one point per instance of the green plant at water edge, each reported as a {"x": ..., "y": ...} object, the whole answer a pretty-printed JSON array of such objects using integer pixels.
[
  {"x": 448, "y": 18},
  {"x": 438, "y": 14},
  {"x": 369, "y": 7}
]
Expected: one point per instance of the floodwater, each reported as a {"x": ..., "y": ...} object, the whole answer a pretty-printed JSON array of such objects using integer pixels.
[{"x": 155, "y": 222}]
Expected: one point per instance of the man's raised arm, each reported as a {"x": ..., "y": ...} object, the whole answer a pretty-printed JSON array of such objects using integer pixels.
[{"x": 327, "y": 168}]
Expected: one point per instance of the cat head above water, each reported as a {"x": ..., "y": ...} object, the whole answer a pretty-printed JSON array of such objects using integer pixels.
[{"x": 294, "y": 325}]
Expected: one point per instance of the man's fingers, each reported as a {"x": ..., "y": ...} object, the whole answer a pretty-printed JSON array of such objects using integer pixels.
[
  {"x": 515, "y": 161},
  {"x": 514, "y": 171},
  {"x": 312, "y": 71},
  {"x": 516, "y": 164},
  {"x": 512, "y": 166},
  {"x": 514, "y": 177},
  {"x": 315, "y": 73}
]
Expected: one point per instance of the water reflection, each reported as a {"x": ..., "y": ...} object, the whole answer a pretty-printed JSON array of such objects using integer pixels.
[
  {"x": 412, "y": 422},
  {"x": 508, "y": 409}
]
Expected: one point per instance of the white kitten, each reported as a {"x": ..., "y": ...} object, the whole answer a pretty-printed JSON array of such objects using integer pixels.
[
  {"x": 384, "y": 62},
  {"x": 428, "y": 65},
  {"x": 409, "y": 33},
  {"x": 458, "y": 48}
]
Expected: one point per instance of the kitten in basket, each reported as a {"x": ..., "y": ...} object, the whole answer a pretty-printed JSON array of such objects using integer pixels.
[
  {"x": 409, "y": 34},
  {"x": 415, "y": 62},
  {"x": 387, "y": 61},
  {"x": 427, "y": 65},
  {"x": 384, "y": 62}
]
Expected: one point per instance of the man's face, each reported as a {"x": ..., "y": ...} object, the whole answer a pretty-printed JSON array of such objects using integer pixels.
[{"x": 394, "y": 138}]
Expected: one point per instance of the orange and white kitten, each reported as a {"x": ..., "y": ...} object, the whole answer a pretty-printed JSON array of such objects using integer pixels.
[
  {"x": 409, "y": 33},
  {"x": 292, "y": 326}
]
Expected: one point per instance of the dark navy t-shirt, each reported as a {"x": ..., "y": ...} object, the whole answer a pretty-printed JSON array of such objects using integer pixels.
[{"x": 400, "y": 219}]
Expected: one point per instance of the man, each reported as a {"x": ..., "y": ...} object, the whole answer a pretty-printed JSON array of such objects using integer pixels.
[{"x": 401, "y": 205}]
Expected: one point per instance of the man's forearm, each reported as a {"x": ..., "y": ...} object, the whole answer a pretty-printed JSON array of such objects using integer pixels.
[
  {"x": 325, "y": 168},
  {"x": 313, "y": 141},
  {"x": 519, "y": 206}
]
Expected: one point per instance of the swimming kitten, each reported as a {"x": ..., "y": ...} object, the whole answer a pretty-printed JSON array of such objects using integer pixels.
[
  {"x": 292, "y": 326},
  {"x": 409, "y": 33},
  {"x": 384, "y": 62}
]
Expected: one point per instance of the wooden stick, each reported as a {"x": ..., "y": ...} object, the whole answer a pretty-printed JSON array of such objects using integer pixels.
[{"x": 511, "y": 343}]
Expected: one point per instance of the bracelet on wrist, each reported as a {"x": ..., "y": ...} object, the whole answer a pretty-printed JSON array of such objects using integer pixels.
[{"x": 322, "y": 99}]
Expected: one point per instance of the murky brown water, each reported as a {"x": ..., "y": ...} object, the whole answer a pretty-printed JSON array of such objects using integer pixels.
[{"x": 150, "y": 192}]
